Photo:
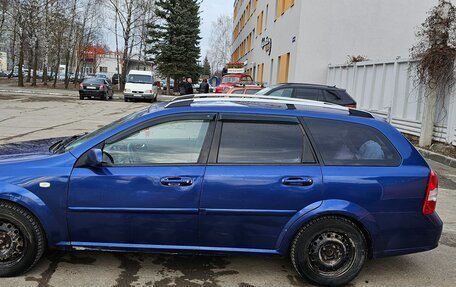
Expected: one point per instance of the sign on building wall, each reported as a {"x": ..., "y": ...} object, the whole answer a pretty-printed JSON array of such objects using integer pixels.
[
  {"x": 3, "y": 61},
  {"x": 266, "y": 44}
]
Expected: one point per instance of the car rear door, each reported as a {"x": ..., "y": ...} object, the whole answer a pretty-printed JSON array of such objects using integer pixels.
[
  {"x": 148, "y": 190},
  {"x": 261, "y": 172}
]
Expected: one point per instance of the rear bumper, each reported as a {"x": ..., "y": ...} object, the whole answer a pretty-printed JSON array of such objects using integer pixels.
[
  {"x": 140, "y": 96},
  {"x": 94, "y": 94},
  {"x": 414, "y": 236}
]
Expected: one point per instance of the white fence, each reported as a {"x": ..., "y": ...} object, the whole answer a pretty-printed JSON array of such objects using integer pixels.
[{"x": 387, "y": 90}]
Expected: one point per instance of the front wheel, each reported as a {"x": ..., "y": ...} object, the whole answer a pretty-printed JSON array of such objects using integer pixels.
[
  {"x": 329, "y": 251},
  {"x": 22, "y": 241}
]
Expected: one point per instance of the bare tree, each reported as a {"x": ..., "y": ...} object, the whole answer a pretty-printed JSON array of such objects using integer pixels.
[
  {"x": 131, "y": 16},
  {"x": 220, "y": 49}
]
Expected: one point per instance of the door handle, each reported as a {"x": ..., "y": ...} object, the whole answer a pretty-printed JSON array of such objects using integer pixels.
[
  {"x": 176, "y": 181},
  {"x": 297, "y": 181}
]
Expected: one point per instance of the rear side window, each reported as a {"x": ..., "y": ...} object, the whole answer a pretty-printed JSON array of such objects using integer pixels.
[
  {"x": 263, "y": 143},
  {"x": 342, "y": 143},
  {"x": 96, "y": 81},
  {"x": 338, "y": 97},
  {"x": 308, "y": 94}
]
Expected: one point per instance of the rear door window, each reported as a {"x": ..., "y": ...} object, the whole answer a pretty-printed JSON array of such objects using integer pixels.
[
  {"x": 263, "y": 143},
  {"x": 342, "y": 143},
  {"x": 308, "y": 94}
]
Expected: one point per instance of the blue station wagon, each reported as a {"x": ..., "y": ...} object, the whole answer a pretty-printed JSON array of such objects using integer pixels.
[{"x": 326, "y": 185}]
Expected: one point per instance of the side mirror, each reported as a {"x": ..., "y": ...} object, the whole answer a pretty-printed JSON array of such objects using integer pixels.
[{"x": 94, "y": 157}]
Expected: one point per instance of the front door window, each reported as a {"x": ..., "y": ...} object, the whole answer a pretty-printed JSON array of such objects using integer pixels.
[{"x": 175, "y": 142}]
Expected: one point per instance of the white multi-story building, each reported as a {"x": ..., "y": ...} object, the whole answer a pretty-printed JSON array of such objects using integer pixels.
[{"x": 296, "y": 40}]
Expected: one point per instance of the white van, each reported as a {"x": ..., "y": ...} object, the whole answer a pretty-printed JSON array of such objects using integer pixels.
[{"x": 140, "y": 85}]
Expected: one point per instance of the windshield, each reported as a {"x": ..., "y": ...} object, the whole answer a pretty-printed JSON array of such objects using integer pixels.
[
  {"x": 98, "y": 132},
  {"x": 139, "y": 79},
  {"x": 230, "y": 80},
  {"x": 265, "y": 91}
]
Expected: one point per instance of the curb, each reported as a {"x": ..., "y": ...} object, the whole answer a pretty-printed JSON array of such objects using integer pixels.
[{"x": 449, "y": 161}]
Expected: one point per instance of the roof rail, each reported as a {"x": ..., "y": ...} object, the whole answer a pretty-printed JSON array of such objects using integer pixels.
[
  {"x": 257, "y": 98},
  {"x": 291, "y": 103}
]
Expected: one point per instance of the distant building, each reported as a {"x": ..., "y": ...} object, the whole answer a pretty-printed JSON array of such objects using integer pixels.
[
  {"x": 295, "y": 41},
  {"x": 97, "y": 60}
]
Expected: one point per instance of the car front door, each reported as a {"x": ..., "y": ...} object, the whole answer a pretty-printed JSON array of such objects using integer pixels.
[
  {"x": 147, "y": 190},
  {"x": 261, "y": 172}
]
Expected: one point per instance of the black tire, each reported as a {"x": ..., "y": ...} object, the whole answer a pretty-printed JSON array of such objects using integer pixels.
[
  {"x": 126, "y": 100},
  {"x": 329, "y": 251},
  {"x": 32, "y": 239}
]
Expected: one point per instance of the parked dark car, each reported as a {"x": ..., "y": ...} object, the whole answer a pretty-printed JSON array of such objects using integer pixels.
[
  {"x": 329, "y": 94},
  {"x": 98, "y": 88},
  {"x": 326, "y": 185}
]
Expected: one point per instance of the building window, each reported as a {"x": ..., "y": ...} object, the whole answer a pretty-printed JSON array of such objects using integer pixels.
[
  {"x": 260, "y": 23},
  {"x": 103, "y": 69},
  {"x": 271, "y": 72},
  {"x": 284, "y": 66},
  {"x": 266, "y": 19},
  {"x": 288, "y": 4},
  {"x": 279, "y": 8},
  {"x": 282, "y": 6},
  {"x": 260, "y": 73}
]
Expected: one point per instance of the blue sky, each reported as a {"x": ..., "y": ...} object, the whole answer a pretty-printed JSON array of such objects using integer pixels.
[{"x": 210, "y": 10}]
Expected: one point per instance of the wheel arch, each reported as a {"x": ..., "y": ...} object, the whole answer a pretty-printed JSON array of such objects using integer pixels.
[
  {"x": 348, "y": 210},
  {"x": 53, "y": 230}
]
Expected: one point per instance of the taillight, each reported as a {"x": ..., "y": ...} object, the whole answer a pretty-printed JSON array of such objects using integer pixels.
[
  {"x": 432, "y": 191},
  {"x": 351, "y": 106}
]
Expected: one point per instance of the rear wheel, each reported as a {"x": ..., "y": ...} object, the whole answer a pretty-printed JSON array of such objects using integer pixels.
[
  {"x": 329, "y": 251},
  {"x": 22, "y": 240}
]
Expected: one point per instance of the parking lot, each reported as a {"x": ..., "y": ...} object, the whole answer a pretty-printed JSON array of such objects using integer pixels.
[{"x": 27, "y": 116}]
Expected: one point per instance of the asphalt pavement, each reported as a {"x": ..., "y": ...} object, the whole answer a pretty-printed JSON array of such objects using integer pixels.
[{"x": 28, "y": 116}]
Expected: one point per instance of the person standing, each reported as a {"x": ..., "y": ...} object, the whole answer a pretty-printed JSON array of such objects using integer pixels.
[
  {"x": 189, "y": 87},
  {"x": 183, "y": 87},
  {"x": 204, "y": 87}
]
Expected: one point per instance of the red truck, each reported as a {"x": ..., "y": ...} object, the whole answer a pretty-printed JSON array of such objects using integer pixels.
[{"x": 230, "y": 80}]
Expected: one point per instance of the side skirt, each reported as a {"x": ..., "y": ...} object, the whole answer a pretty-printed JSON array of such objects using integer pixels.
[{"x": 161, "y": 248}]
